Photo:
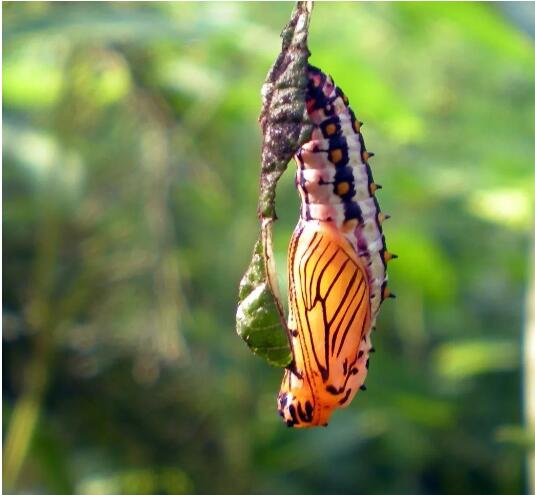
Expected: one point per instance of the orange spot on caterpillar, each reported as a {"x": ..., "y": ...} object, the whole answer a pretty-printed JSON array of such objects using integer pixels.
[
  {"x": 330, "y": 129},
  {"x": 335, "y": 155},
  {"x": 342, "y": 188}
]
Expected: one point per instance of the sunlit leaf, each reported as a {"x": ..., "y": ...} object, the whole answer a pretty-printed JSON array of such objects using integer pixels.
[
  {"x": 509, "y": 207},
  {"x": 458, "y": 360}
]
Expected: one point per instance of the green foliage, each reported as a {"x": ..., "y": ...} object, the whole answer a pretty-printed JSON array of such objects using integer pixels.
[
  {"x": 131, "y": 156},
  {"x": 259, "y": 319}
]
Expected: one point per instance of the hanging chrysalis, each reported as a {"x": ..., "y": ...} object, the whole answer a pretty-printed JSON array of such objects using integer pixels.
[{"x": 336, "y": 260}]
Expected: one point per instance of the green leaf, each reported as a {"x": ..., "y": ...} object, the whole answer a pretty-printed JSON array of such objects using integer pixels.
[
  {"x": 459, "y": 360},
  {"x": 259, "y": 318}
]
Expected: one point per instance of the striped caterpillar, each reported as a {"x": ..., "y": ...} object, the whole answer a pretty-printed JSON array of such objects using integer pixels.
[{"x": 336, "y": 262}]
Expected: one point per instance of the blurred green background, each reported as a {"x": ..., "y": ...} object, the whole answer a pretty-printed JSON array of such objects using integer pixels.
[{"x": 131, "y": 156}]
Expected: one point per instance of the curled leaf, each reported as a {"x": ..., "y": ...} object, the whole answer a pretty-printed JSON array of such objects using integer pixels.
[
  {"x": 260, "y": 319},
  {"x": 284, "y": 119}
]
